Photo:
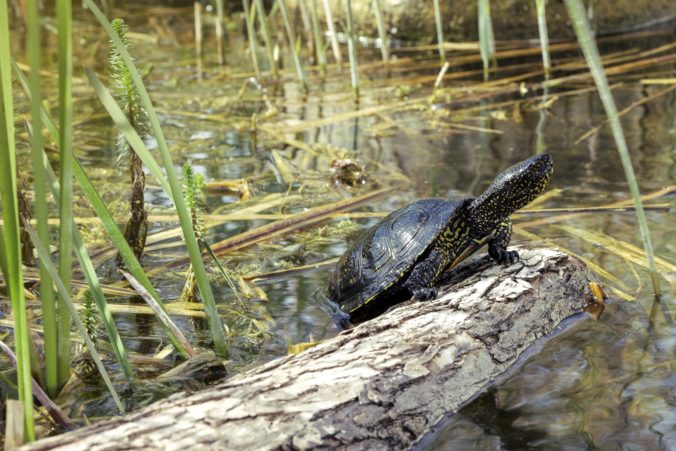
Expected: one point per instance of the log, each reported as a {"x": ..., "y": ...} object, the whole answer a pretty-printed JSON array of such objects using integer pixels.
[{"x": 382, "y": 384}]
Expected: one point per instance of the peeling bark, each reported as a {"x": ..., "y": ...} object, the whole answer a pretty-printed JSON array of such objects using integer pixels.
[{"x": 380, "y": 385}]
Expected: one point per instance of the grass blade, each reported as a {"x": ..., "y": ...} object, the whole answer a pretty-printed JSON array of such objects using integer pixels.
[
  {"x": 251, "y": 32},
  {"x": 215, "y": 324},
  {"x": 49, "y": 314},
  {"x": 11, "y": 259},
  {"x": 486, "y": 39},
  {"x": 332, "y": 32},
  {"x": 541, "y": 6},
  {"x": 352, "y": 49},
  {"x": 584, "y": 36},
  {"x": 65, "y": 57},
  {"x": 316, "y": 32},
  {"x": 292, "y": 44},
  {"x": 263, "y": 23},
  {"x": 68, "y": 302},
  {"x": 440, "y": 31},
  {"x": 384, "y": 43},
  {"x": 220, "y": 20}
]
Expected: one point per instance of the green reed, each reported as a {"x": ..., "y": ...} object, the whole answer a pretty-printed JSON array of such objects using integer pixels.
[
  {"x": 440, "y": 31},
  {"x": 47, "y": 299},
  {"x": 486, "y": 38},
  {"x": 583, "y": 31},
  {"x": 541, "y": 6},
  {"x": 337, "y": 55},
  {"x": 249, "y": 14},
  {"x": 220, "y": 19},
  {"x": 10, "y": 252},
  {"x": 263, "y": 23},
  {"x": 292, "y": 44},
  {"x": 384, "y": 44},
  {"x": 352, "y": 49},
  {"x": 319, "y": 41},
  {"x": 65, "y": 112}
]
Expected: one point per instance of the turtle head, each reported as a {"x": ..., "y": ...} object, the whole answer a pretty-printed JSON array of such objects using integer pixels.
[{"x": 514, "y": 188}]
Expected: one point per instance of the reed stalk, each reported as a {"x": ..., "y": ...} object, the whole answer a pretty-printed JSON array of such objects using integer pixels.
[
  {"x": 197, "y": 15},
  {"x": 584, "y": 34},
  {"x": 440, "y": 31},
  {"x": 384, "y": 43},
  {"x": 65, "y": 63},
  {"x": 10, "y": 260},
  {"x": 541, "y": 6},
  {"x": 486, "y": 38},
  {"x": 49, "y": 314},
  {"x": 352, "y": 49},
  {"x": 263, "y": 23},
  {"x": 215, "y": 324},
  {"x": 319, "y": 41},
  {"x": 251, "y": 32},
  {"x": 337, "y": 55},
  {"x": 292, "y": 44},
  {"x": 307, "y": 23},
  {"x": 220, "y": 18}
]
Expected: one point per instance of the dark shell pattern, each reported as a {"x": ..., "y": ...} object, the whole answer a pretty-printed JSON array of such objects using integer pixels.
[{"x": 387, "y": 252}]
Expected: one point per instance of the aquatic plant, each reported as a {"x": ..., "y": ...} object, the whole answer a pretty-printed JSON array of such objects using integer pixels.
[
  {"x": 215, "y": 324},
  {"x": 263, "y": 24},
  {"x": 249, "y": 14},
  {"x": 65, "y": 118},
  {"x": 486, "y": 37},
  {"x": 440, "y": 31},
  {"x": 384, "y": 43},
  {"x": 317, "y": 34},
  {"x": 292, "y": 44},
  {"x": 136, "y": 230},
  {"x": 352, "y": 49},
  {"x": 337, "y": 55},
  {"x": 193, "y": 189},
  {"x": 79, "y": 247},
  {"x": 541, "y": 6},
  {"x": 10, "y": 252}
]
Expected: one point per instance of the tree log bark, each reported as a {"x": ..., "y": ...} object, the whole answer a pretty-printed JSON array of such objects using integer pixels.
[{"x": 382, "y": 384}]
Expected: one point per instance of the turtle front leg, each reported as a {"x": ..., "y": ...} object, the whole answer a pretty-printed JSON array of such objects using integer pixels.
[
  {"x": 420, "y": 283},
  {"x": 497, "y": 246}
]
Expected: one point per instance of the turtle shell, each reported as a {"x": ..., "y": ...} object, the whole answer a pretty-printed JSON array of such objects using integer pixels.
[{"x": 383, "y": 256}]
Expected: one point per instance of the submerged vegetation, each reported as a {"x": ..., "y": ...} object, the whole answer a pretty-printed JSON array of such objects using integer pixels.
[{"x": 308, "y": 175}]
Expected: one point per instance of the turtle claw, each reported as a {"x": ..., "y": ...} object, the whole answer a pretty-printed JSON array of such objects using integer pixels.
[
  {"x": 423, "y": 293},
  {"x": 504, "y": 256}
]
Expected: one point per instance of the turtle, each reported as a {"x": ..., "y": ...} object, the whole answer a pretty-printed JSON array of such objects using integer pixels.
[{"x": 407, "y": 251}]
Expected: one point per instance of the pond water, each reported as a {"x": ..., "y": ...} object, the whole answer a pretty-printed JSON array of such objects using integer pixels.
[{"x": 608, "y": 384}]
